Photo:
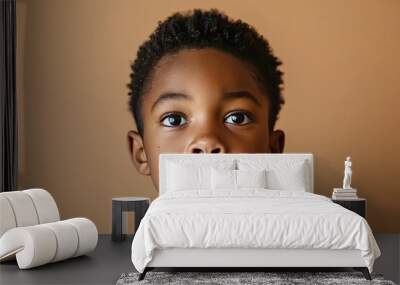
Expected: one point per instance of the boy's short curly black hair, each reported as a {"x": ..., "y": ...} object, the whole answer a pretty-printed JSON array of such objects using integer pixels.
[{"x": 205, "y": 29}]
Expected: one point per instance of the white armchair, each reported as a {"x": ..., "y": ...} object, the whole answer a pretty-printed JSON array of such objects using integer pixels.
[{"x": 31, "y": 230}]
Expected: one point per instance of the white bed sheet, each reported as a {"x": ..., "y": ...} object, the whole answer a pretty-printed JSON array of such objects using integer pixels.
[{"x": 250, "y": 218}]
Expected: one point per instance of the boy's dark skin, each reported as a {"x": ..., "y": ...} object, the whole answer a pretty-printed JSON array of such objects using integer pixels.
[{"x": 203, "y": 77}]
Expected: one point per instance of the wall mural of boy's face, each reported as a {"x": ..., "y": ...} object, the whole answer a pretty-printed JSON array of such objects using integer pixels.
[{"x": 202, "y": 101}]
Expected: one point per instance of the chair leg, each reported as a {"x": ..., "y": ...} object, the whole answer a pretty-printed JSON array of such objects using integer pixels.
[
  {"x": 142, "y": 275},
  {"x": 364, "y": 271}
]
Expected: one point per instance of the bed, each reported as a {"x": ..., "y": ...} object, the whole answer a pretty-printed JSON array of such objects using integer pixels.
[{"x": 247, "y": 211}]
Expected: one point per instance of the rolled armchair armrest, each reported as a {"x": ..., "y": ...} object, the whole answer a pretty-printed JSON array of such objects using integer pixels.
[{"x": 44, "y": 243}]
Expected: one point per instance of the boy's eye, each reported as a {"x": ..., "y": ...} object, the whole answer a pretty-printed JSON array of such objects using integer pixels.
[
  {"x": 237, "y": 118},
  {"x": 173, "y": 120}
]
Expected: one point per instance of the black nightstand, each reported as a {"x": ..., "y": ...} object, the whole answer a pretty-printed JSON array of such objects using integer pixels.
[
  {"x": 139, "y": 205},
  {"x": 358, "y": 206}
]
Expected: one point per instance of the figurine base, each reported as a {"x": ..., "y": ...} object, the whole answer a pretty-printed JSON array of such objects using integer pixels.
[
  {"x": 344, "y": 190},
  {"x": 344, "y": 194}
]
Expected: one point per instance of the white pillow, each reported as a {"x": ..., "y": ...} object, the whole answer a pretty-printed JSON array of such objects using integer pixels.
[
  {"x": 185, "y": 175},
  {"x": 281, "y": 174},
  {"x": 288, "y": 179},
  {"x": 251, "y": 178},
  {"x": 223, "y": 179},
  {"x": 237, "y": 179},
  {"x": 181, "y": 177}
]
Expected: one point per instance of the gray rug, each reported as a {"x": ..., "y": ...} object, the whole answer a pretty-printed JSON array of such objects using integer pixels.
[{"x": 225, "y": 278}]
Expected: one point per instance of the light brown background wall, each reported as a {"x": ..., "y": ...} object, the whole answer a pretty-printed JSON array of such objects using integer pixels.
[{"x": 341, "y": 63}]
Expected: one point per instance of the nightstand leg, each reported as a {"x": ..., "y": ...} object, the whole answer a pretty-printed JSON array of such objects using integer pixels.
[{"x": 116, "y": 222}]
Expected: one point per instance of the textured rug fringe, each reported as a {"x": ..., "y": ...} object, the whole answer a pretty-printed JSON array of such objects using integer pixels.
[{"x": 268, "y": 278}]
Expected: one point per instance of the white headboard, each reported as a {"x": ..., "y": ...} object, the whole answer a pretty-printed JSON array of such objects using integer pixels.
[{"x": 210, "y": 157}]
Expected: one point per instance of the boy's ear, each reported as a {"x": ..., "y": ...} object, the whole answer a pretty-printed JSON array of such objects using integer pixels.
[
  {"x": 277, "y": 141},
  {"x": 138, "y": 154}
]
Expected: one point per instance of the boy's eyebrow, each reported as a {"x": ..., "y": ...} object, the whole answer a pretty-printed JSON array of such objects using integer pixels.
[
  {"x": 226, "y": 96},
  {"x": 241, "y": 94},
  {"x": 170, "y": 95}
]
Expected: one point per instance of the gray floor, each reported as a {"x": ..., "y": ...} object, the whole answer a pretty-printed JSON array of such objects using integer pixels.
[
  {"x": 110, "y": 260},
  {"x": 389, "y": 262},
  {"x": 103, "y": 266}
]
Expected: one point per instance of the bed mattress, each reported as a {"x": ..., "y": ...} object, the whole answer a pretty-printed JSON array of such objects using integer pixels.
[{"x": 250, "y": 219}]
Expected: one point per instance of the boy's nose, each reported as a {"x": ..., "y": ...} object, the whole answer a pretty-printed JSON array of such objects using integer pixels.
[{"x": 206, "y": 145}]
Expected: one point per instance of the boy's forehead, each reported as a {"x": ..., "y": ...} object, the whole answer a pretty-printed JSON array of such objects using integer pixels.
[{"x": 202, "y": 69}]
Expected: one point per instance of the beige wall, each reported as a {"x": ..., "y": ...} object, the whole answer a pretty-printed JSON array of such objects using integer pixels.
[{"x": 341, "y": 63}]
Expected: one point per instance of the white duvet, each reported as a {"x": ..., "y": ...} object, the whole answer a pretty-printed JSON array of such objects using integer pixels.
[{"x": 251, "y": 218}]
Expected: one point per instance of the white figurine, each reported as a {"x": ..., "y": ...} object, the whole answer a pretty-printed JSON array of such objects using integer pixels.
[{"x": 347, "y": 173}]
